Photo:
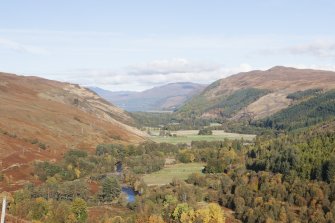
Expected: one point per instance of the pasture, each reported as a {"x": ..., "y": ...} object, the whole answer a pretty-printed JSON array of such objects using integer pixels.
[
  {"x": 179, "y": 171},
  {"x": 187, "y": 136}
]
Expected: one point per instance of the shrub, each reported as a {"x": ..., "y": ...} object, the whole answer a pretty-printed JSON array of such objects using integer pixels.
[{"x": 206, "y": 131}]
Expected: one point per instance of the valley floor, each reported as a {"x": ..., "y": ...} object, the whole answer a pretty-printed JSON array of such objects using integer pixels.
[{"x": 187, "y": 136}]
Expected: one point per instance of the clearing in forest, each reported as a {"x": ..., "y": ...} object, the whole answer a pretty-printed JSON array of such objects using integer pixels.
[{"x": 179, "y": 171}]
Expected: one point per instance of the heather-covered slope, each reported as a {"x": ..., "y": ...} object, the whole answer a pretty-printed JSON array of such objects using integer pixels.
[
  {"x": 40, "y": 119},
  {"x": 256, "y": 94}
]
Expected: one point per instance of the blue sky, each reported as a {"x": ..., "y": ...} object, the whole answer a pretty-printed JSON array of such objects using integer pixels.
[{"x": 134, "y": 45}]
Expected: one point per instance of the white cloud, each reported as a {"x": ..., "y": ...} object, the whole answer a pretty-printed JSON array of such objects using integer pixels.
[
  {"x": 317, "y": 48},
  {"x": 155, "y": 73},
  {"x": 326, "y": 67},
  {"x": 82, "y": 42},
  {"x": 68, "y": 50},
  {"x": 167, "y": 67},
  {"x": 12, "y": 45}
]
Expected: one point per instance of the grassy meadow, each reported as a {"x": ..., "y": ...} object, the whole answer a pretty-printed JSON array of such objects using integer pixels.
[
  {"x": 187, "y": 136},
  {"x": 179, "y": 171}
]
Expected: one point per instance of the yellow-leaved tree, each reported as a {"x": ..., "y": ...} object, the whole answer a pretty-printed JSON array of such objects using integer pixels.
[
  {"x": 213, "y": 213},
  {"x": 155, "y": 219}
]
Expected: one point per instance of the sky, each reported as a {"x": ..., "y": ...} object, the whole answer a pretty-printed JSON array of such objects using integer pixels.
[{"x": 136, "y": 45}]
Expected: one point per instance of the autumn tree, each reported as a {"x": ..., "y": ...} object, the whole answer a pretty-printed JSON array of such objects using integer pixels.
[
  {"x": 79, "y": 209},
  {"x": 39, "y": 208},
  {"x": 155, "y": 219},
  {"x": 179, "y": 210}
]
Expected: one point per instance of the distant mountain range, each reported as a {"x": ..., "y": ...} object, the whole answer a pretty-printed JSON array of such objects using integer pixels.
[{"x": 163, "y": 98}]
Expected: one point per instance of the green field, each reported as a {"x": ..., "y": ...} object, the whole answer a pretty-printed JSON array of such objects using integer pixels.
[
  {"x": 179, "y": 171},
  {"x": 187, "y": 136}
]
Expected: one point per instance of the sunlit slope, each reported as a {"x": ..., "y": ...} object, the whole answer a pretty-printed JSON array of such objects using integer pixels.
[
  {"x": 40, "y": 119},
  {"x": 256, "y": 94}
]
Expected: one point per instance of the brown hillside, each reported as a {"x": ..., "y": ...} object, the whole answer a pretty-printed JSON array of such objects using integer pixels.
[
  {"x": 41, "y": 119},
  {"x": 276, "y": 79},
  {"x": 280, "y": 81}
]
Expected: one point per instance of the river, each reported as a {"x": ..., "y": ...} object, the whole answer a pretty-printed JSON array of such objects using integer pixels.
[
  {"x": 126, "y": 189},
  {"x": 130, "y": 194}
]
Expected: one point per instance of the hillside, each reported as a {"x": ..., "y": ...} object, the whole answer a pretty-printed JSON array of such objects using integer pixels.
[
  {"x": 312, "y": 109},
  {"x": 256, "y": 94},
  {"x": 41, "y": 119},
  {"x": 163, "y": 98}
]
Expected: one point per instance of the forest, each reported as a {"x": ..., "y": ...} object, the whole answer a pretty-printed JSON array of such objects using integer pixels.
[
  {"x": 277, "y": 178},
  {"x": 315, "y": 108}
]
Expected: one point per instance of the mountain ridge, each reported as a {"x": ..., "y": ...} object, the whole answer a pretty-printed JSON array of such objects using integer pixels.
[
  {"x": 278, "y": 82},
  {"x": 162, "y": 98}
]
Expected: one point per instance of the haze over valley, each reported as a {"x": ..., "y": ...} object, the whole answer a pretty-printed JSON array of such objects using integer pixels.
[{"x": 162, "y": 98}]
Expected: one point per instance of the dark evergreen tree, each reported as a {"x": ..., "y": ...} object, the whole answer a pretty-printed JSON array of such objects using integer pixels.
[{"x": 111, "y": 189}]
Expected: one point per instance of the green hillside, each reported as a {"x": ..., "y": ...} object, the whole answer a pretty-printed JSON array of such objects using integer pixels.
[
  {"x": 299, "y": 95},
  {"x": 318, "y": 108},
  {"x": 228, "y": 104}
]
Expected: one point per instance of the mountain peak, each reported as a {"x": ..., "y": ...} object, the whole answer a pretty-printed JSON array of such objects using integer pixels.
[
  {"x": 280, "y": 68},
  {"x": 163, "y": 98}
]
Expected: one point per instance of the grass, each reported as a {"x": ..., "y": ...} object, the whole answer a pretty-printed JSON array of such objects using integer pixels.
[
  {"x": 187, "y": 136},
  {"x": 179, "y": 171}
]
